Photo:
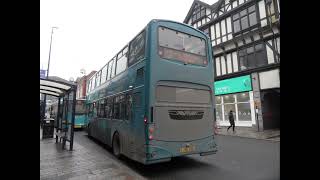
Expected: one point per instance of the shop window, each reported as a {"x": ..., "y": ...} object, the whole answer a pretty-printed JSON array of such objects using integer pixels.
[
  {"x": 227, "y": 108},
  {"x": 218, "y": 99},
  {"x": 219, "y": 115},
  {"x": 243, "y": 97},
  {"x": 244, "y": 112},
  {"x": 228, "y": 98}
]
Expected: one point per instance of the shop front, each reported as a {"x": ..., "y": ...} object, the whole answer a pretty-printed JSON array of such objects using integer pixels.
[{"x": 235, "y": 94}]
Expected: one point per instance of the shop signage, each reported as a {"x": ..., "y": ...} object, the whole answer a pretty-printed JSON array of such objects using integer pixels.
[{"x": 233, "y": 85}]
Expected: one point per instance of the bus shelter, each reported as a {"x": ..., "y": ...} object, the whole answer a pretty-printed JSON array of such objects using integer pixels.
[{"x": 66, "y": 94}]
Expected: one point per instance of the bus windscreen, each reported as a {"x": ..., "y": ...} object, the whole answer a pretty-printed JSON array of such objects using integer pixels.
[{"x": 175, "y": 45}]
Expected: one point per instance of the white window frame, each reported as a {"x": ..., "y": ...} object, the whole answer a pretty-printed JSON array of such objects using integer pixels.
[
  {"x": 218, "y": 71},
  {"x": 223, "y": 65},
  {"x": 229, "y": 63}
]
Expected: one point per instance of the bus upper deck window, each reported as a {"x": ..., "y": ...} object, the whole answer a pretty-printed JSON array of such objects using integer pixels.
[{"x": 175, "y": 45}]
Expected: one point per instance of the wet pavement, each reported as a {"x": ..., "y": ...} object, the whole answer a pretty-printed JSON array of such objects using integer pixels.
[
  {"x": 237, "y": 158},
  {"x": 88, "y": 160}
]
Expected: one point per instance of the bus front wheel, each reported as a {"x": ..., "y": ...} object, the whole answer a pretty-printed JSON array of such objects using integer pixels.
[{"x": 116, "y": 145}]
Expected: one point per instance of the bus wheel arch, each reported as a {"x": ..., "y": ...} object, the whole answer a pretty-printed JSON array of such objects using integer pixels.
[{"x": 116, "y": 146}]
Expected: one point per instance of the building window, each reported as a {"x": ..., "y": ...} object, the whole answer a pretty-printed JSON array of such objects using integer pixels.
[
  {"x": 270, "y": 54},
  {"x": 219, "y": 112},
  {"x": 235, "y": 61},
  {"x": 221, "y": 31},
  {"x": 252, "y": 57},
  {"x": 223, "y": 65},
  {"x": 244, "y": 19},
  {"x": 218, "y": 66},
  {"x": 228, "y": 64},
  {"x": 262, "y": 13},
  {"x": 234, "y": 4}
]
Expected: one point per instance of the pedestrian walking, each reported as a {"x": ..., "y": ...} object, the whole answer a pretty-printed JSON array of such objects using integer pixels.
[{"x": 231, "y": 121}]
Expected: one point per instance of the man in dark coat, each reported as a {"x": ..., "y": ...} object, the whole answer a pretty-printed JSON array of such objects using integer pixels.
[{"x": 231, "y": 120}]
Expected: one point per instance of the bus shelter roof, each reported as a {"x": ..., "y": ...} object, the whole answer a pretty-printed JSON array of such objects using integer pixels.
[{"x": 55, "y": 88}]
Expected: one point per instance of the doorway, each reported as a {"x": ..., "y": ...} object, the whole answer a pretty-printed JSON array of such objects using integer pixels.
[{"x": 270, "y": 101}]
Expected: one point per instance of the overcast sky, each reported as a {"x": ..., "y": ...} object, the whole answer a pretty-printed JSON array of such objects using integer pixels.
[{"x": 91, "y": 32}]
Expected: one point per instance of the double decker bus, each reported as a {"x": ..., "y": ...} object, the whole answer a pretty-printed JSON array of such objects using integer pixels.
[{"x": 154, "y": 99}]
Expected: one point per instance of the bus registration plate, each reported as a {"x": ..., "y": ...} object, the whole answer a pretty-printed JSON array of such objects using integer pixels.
[{"x": 187, "y": 149}]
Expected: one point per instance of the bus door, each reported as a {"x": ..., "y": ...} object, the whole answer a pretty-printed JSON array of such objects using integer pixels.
[
  {"x": 131, "y": 122},
  {"x": 137, "y": 109}
]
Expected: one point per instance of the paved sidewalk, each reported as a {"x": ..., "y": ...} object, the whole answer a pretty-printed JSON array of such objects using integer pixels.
[
  {"x": 247, "y": 132},
  {"x": 88, "y": 161}
]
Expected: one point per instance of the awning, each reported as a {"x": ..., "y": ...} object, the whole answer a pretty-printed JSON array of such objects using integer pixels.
[{"x": 54, "y": 88}]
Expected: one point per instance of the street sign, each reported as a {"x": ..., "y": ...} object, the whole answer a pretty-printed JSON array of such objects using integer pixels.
[{"x": 42, "y": 73}]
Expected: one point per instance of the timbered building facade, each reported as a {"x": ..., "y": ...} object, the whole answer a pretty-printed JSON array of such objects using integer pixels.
[{"x": 245, "y": 36}]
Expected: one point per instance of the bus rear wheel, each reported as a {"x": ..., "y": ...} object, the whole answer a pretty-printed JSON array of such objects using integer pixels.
[{"x": 116, "y": 145}]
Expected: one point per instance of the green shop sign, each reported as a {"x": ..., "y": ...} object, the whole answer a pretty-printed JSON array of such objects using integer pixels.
[{"x": 233, "y": 85}]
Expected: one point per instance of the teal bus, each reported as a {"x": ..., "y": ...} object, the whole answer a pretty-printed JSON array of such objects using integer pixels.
[
  {"x": 154, "y": 99},
  {"x": 80, "y": 117}
]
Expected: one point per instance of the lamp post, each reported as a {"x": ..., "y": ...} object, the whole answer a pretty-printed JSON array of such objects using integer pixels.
[{"x": 45, "y": 96}]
